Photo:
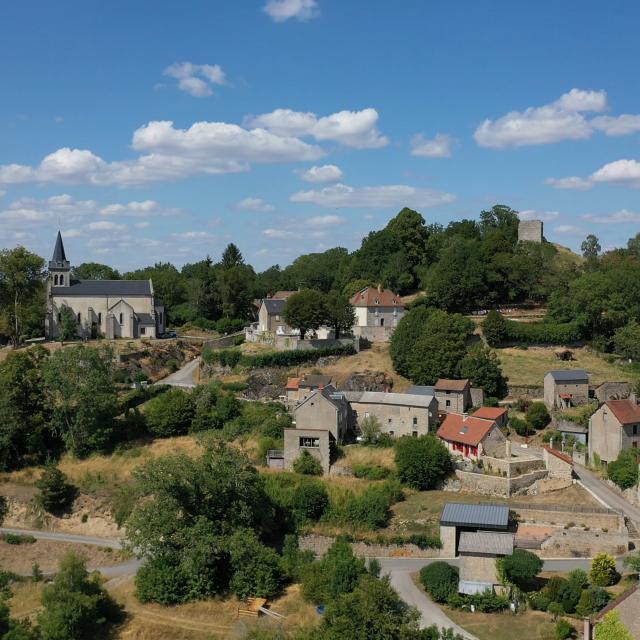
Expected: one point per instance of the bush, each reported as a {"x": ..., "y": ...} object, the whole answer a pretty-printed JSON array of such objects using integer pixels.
[
  {"x": 564, "y": 630},
  {"x": 591, "y": 601},
  {"x": 4, "y": 509},
  {"x": 603, "y": 570},
  {"x": 521, "y": 427},
  {"x": 233, "y": 357},
  {"x": 370, "y": 429},
  {"x": 539, "y": 601},
  {"x": 56, "y": 494},
  {"x": 440, "y": 580},
  {"x": 624, "y": 469},
  {"x": 545, "y": 332},
  {"x": 170, "y": 414},
  {"x": 538, "y": 415},
  {"x": 521, "y": 567},
  {"x": 422, "y": 462},
  {"x": 494, "y": 328},
  {"x": 307, "y": 465},
  {"x": 303, "y": 497},
  {"x": 17, "y": 538},
  {"x": 160, "y": 580},
  {"x": 370, "y": 471}
]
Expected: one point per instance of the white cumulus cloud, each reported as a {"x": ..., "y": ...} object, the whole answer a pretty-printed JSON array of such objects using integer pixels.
[
  {"x": 105, "y": 225},
  {"x": 579, "y": 100},
  {"x": 281, "y": 10},
  {"x": 325, "y": 173},
  {"x": 376, "y": 197},
  {"x": 572, "y": 182},
  {"x": 568, "y": 229},
  {"x": 254, "y": 204},
  {"x": 622, "y": 125},
  {"x": 621, "y": 216},
  {"x": 531, "y": 214},
  {"x": 196, "y": 79},
  {"x": 357, "y": 129},
  {"x": 325, "y": 221},
  {"x": 625, "y": 173},
  {"x": 437, "y": 147}
]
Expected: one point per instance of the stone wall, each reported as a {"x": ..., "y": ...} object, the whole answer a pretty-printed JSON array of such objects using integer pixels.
[
  {"x": 612, "y": 391},
  {"x": 292, "y": 343},
  {"x": 320, "y": 545},
  {"x": 292, "y": 448},
  {"x": 577, "y": 543},
  {"x": 630, "y": 495},
  {"x": 595, "y": 520},
  {"x": 526, "y": 392},
  {"x": 530, "y": 231},
  {"x": 497, "y": 485},
  {"x": 477, "y": 397},
  {"x": 510, "y": 467},
  {"x": 374, "y": 334}
]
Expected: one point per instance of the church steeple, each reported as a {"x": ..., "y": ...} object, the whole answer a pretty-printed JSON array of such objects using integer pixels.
[{"x": 59, "y": 266}]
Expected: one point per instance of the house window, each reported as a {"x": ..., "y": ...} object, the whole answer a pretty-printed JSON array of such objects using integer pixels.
[
  {"x": 59, "y": 317},
  {"x": 120, "y": 318},
  {"x": 78, "y": 317},
  {"x": 100, "y": 317},
  {"x": 415, "y": 420},
  {"x": 414, "y": 434},
  {"x": 389, "y": 420},
  {"x": 448, "y": 403},
  {"x": 634, "y": 444},
  {"x": 277, "y": 318},
  {"x": 635, "y": 429},
  {"x": 310, "y": 443},
  {"x": 390, "y": 433},
  {"x": 143, "y": 331}
]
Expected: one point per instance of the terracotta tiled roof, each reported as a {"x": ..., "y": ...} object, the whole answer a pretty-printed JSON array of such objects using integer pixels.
[
  {"x": 293, "y": 384},
  {"x": 451, "y": 385},
  {"x": 558, "y": 454},
  {"x": 490, "y": 413},
  {"x": 471, "y": 431},
  {"x": 626, "y": 411},
  {"x": 372, "y": 297}
]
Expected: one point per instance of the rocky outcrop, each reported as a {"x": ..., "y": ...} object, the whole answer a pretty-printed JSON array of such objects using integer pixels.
[{"x": 368, "y": 381}]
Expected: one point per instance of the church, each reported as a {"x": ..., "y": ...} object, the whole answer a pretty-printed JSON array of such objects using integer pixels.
[{"x": 102, "y": 308}]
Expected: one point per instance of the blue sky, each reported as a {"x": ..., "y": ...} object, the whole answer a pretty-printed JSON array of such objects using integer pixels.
[{"x": 164, "y": 130}]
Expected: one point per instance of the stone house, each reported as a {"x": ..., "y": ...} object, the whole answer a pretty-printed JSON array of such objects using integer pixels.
[
  {"x": 453, "y": 396},
  {"x": 500, "y": 415},
  {"x": 325, "y": 409},
  {"x": 270, "y": 318},
  {"x": 566, "y": 388},
  {"x": 472, "y": 437},
  {"x": 613, "y": 427},
  {"x": 478, "y": 551},
  {"x": 317, "y": 442},
  {"x": 109, "y": 308},
  {"x": 612, "y": 391},
  {"x": 299, "y": 389},
  {"x": 399, "y": 414},
  {"x": 558, "y": 464},
  {"x": 378, "y": 312}
]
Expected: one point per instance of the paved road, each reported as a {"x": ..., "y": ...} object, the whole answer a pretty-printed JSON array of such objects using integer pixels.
[
  {"x": 184, "y": 377},
  {"x": 65, "y": 537}
]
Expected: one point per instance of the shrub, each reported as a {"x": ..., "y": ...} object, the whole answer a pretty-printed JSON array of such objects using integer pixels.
[
  {"x": 564, "y": 630},
  {"x": 539, "y": 601},
  {"x": 494, "y": 328},
  {"x": 624, "y": 469},
  {"x": 521, "y": 567},
  {"x": 591, "y": 601},
  {"x": 294, "y": 560},
  {"x": 370, "y": 471},
  {"x": 307, "y": 465},
  {"x": 17, "y": 538},
  {"x": 56, "y": 494},
  {"x": 538, "y": 415},
  {"x": 440, "y": 580},
  {"x": 309, "y": 500},
  {"x": 160, "y": 580},
  {"x": 170, "y": 414},
  {"x": 370, "y": 429},
  {"x": 521, "y": 427},
  {"x": 603, "y": 570},
  {"x": 422, "y": 462},
  {"x": 4, "y": 509}
]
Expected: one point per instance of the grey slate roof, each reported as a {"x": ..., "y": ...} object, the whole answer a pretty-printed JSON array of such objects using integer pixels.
[
  {"x": 58, "y": 251},
  {"x": 145, "y": 318},
  {"x": 314, "y": 380},
  {"x": 274, "y": 307},
  {"x": 402, "y": 399},
  {"x": 489, "y": 542},
  {"x": 570, "y": 375},
  {"x": 420, "y": 390},
  {"x": 111, "y": 288},
  {"x": 487, "y": 516}
]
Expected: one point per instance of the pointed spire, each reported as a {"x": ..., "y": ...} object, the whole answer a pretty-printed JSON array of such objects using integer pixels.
[{"x": 58, "y": 253}]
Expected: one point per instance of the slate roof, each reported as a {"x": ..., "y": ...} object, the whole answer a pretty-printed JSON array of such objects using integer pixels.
[
  {"x": 314, "y": 381},
  {"x": 626, "y": 411},
  {"x": 99, "y": 288},
  {"x": 274, "y": 307},
  {"x": 145, "y": 318},
  {"x": 470, "y": 430},
  {"x": 569, "y": 375},
  {"x": 490, "y": 542},
  {"x": 420, "y": 390},
  {"x": 492, "y": 516},
  {"x": 402, "y": 399},
  {"x": 58, "y": 252},
  {"x": 451, "y": 385},
  {"x": 372, "y": 297}
]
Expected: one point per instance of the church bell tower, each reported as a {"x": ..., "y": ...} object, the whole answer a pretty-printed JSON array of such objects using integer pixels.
[{"x": 59, "y": 266}]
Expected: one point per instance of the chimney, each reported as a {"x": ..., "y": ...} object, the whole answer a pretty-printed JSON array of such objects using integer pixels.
[
  {"x": 379, "y": 288},
  {"x": 507, "y": 448}
]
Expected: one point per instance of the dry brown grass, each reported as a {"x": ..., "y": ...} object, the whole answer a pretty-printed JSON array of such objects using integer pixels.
[
  {"x": 25, "y": 599},
  {"x": 374, "y": 359},
  {"x": 529, "y": 366},
  {"x": 358, "y": 454}
]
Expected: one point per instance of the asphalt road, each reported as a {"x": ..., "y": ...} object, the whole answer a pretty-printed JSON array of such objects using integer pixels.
[{"x": 184, "y": 377}]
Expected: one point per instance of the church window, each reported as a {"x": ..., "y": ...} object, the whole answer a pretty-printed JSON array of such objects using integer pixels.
[
  {"x": 100, "y": 317},
  {"x": 79, "y": 317},
  {"x": 59, "y": 317},
  {"x": 120, "y": 318},
  {"x": 55, "y": 280}
]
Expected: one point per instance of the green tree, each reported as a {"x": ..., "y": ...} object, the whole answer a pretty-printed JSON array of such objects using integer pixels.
[
  {"x": 231, "y": 257},
  {"x": 235, "y": 288},
  {"x": 75, "y": 605},
  {"x": 440, "y": 580},
  {"x": 307, "y": 465},
  {"x": 624, "y": 469},
  {"x": 370, "y": 428},
  {"x": 610, "y": 628},
  {"x": 161, "y": 580},
  {"x": 591, "y": 601},
  {"x": 340, "y": 315},
  {"x": 538, "y": 415},
  {"x": 500, "y": 218},
  {"x": 4, "y": 509},
  {"x": 168, "y": 283},
  {"x": 21, "y": 285},
  {"x": 482, "y": 367},
  {"x": 338, "y": 572},
  {"x": 79, "y": 386},
  {"x": 170, "y": 413},
  {"x": 68, "y": 326},
  {"x": 633, "y": 562},
  {"x": 422, "y": 462},
  {"x": 94, "y": 271},
  {"x": 305, "y": 310},
  {"x": 521, "y": 567},
  {"x": 494, "y": 328},
  {"x": 603, "y": 570},
  {"x": 626, "y": 340},
  {"x": 590, "y": 247},
  {"x": 55, "y": 492},
  {"x": 564, "y": 630}
]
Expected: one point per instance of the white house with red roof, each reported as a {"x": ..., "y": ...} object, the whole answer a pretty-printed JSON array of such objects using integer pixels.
[
  {"x": 613, "y": 427},
  {"x": 378, "y": 312},
  {"x": 471, "y": 436}
]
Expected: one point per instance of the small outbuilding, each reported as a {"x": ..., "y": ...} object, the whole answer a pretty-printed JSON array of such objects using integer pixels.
[
  {"x": 453, "y": 396},
  {"x": 478, "y": 551},
  {"x": 566, "y": 388}
]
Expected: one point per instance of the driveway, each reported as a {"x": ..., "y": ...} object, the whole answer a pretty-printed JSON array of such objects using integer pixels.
[{"x": 185, "y": 377}]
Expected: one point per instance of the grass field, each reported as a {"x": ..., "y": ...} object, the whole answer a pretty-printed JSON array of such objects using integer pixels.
[{"x": 528, "y": 366}]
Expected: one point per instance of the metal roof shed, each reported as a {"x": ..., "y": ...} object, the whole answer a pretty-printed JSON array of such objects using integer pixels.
[{"x": 485, "y": 516}]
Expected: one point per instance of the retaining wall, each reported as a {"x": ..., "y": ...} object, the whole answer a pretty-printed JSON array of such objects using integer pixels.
[
  {"x": 496, "y": 485},
  {"x": 526, "y": 392},
  {"x": 577, "y": 543},
  {"x": 513, "y": 466},
  {"x": 592, "y": 519},
  {"x": 320, "y": 545}
]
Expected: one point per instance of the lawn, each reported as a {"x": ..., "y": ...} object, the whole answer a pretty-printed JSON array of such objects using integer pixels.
[{"x": 529, "y": 366}]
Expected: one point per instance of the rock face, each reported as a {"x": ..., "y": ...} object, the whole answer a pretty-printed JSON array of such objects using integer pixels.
[
  {"x": 265, "y": 383},
  {"x": 369, "y": 381}
]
